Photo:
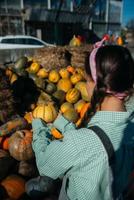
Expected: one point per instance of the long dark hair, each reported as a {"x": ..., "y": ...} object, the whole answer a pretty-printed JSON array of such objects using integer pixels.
[{"x": 115, "y": 71}]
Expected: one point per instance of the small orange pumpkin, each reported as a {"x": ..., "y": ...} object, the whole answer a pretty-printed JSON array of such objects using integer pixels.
[
  {"x": 4, "y": 143},
  {"x": 42, "y": 73},
  {"x": 54, "y": 76},
  {"x": 64, "y": 73},
  {"x": 20, "y": 145},
  {"x": 14, "y": 185},
  {"x": 70, "y": 69},
  {"x": 64, "y": 84},
  {"x": 34, "y": 67}
]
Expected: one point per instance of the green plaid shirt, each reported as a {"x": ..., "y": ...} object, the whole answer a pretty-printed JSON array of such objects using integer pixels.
[{"x": 82, "y": 156}]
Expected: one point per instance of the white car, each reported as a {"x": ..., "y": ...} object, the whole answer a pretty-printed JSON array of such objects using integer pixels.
[{"x": 22, "y": 42}]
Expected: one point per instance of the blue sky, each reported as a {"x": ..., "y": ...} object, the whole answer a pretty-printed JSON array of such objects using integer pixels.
[{"x": 128, "y": 10}]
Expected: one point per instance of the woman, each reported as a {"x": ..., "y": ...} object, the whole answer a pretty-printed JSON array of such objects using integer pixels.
[{"x": 81, "y": 158}]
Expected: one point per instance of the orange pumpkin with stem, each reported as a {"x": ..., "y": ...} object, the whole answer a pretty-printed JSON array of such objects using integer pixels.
[
  {"x": 14, "y": 185},
  {"x": 20, "y": 145}
]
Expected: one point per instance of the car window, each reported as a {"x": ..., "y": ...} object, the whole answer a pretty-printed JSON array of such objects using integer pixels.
[
  {"x": 33, "y": 42},
  {"x": 8, "y": 41},
  {"x": 24, "y": 41}
]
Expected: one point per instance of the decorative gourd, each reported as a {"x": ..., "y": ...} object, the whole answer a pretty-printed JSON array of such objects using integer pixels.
[
  {"x": 71, "y": 115},
  {"x": 50, "y": 88},
  {"x": 78, "y": 105},
  {"x": 34, "y": 67},
  {"x": 20, "y": 145},
  {"x": 27, "y": 168},
  {"x": 46, "y": 111},
  {"x": 41, "y": 83},
  {"x": 64, "y": 73},
  {"x": 43, "y": 98},
  {"x": 70, "y": 69},
  {"x": 65, "y": 106},
  {"x": 64, "y": 84},
  {"x": 75, "y": 78},
  {"x": 73, "y": 95},
  {"x": 59, "y": 96},
  {"x": 54, "y": 76},
  {"x": 42, "y": 73},
  {"x": 14, "y": 185},
  {"x": 81, "y": 86},
  {"x": 81, "y": 71},
  {"x": 13, "y": 125},
  {"x": 21, "y": 63}
]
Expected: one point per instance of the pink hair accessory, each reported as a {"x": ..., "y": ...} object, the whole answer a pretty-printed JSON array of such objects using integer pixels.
[{"x": 92, "y": 62}]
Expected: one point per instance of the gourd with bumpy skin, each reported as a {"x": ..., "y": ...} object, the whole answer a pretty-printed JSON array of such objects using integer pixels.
[
  {"x": 34, "y": 67},
  {"x": 81, "y": 86},
  {"x": 75, "y": 78},
  {"x": 20, "y": 145},
  {"x": 46, "y": 111},
  {"x": 54, "y": 76},
  {"x": 73, "y": 95}
]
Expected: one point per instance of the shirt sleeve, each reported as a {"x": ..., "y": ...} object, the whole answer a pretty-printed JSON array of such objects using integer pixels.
[{"x": 55, "y": 157}]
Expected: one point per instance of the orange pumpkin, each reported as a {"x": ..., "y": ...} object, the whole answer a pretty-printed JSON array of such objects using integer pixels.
[
  {"x": 46, "y": 111},
  {"x": 64, "y": 73},
  {"x": 13, "y": 125},
  {"x": 20, "y": 145},
  {"x": 73, "y": 95},
  {"x": 70, "y": 69},
  {"x": 64, "y": 84},
  {"x": 54, "y": 76},
  {"x": 42, "y": 73},
  {"x": 34, "y": 67},
  {"x": 14, "y": 185},
  {"x": 4, "y": 143},
  {"x": 75, "y": 78}
]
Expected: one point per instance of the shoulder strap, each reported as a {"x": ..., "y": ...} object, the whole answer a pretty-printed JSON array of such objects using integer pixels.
[{"x": 106, "y": 142}]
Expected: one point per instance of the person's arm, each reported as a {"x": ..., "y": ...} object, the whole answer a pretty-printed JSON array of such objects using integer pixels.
[{"x": 55, "y": 157}]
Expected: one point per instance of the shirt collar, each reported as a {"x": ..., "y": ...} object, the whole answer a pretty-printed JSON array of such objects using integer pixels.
[{"x": 110, "y": 117}]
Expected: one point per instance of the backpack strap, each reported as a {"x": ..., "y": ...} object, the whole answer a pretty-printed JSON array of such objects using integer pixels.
[{"x": 106, "y": 143}]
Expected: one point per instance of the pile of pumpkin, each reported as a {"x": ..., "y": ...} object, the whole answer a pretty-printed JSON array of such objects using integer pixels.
[{"x": 62, "y": 91}]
